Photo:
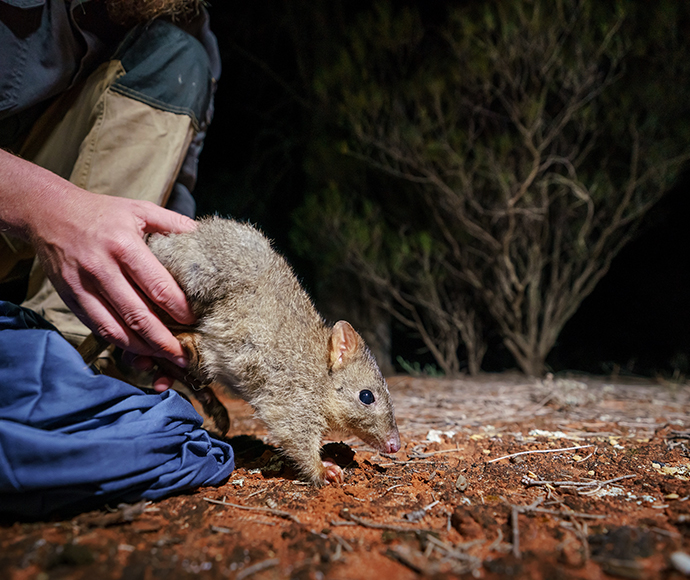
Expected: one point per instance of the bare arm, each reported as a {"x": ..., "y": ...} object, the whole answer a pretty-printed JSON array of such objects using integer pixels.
[{"x": 92, "y": 249}]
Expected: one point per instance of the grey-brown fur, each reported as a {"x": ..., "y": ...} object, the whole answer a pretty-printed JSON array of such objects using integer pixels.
[{"x": 260, "y": 335}]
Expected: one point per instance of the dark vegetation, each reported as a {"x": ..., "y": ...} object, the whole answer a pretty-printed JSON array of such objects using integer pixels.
[{"x": 327, "y": 135}]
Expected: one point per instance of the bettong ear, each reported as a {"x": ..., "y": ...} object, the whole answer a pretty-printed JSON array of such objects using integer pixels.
[{"x": 343, "y": 344}]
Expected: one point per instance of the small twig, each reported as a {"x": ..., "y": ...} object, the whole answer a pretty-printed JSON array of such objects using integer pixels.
[
  {"x": 452, "y": 551},
  {"x": 525, "y": 508},
  {"x": 592, "y": 491},
  {"x": 257, "y": 568},
  {"x": 419, "y": 514},
  {"x": 497, "y": 542},
  {"x": 337, "y": 554},
  {"x": 342, "y": 542},
  {"x": 402, "y": 556},
  {"x": 274, "y": 512},
  {"x": 220, "y": 530},
  {"x": 374, "y": 525},
  {"x": 419, "y": 562},
  {"x": 668, "y": 533},
  {"x": 569, "y": 514},
  {"x": 591, "y": 434},
  {"x": 586, "y": 458},
  {"x": 582, "y": 534},
  {"x": 516, "y": 532},
  {"x": 392, "y": 487},
  {"x": 543, "y": 402},
  {"x": 594, "y": 483},
  {"x": 406, "y": 462},
  {"x": 424, "y": 455},
  {"x": 534, "y": 507},
  {"x": 539, "y": 451}
]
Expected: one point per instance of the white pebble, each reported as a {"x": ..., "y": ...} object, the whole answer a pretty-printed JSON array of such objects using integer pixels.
[{"x": 681, "y": 562}]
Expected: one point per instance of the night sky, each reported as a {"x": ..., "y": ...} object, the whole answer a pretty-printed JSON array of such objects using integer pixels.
[{"x": 639, "y": 314}]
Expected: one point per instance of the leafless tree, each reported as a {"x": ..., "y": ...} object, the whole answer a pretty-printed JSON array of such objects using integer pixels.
[
  {"x": 534, "y": 167},
  {"x": 428, "y": 303}
]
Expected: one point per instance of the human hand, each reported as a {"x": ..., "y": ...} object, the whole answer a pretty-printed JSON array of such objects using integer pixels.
[
  {"x": 93, "y": 250},
  {"x": 100, "y": 265}
]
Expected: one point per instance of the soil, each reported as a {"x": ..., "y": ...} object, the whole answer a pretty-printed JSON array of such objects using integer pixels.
[{"x": 597, "y": 487}]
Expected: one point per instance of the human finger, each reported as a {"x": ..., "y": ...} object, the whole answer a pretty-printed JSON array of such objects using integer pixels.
[
  {"x": 151, "y": 277},
  {"x": 103, "y": 320},
  {"x": 155, "y": 219},
  {"x": 162, "y": 382},
  {"x": 132, "y": 323}
]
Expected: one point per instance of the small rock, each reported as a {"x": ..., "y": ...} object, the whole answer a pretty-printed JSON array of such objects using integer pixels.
[
  {"x": 461, "y": 483},
  {"x": 681, "y": 562}
]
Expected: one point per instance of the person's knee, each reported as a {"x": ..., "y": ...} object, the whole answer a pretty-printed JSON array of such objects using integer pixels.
[{"x": 167, "y": 68}]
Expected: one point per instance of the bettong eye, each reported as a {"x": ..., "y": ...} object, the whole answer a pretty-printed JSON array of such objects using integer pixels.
[{"x": 366, "y": 396}]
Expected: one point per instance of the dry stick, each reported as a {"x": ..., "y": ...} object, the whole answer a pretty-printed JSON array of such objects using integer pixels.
[
  {"x": 393, "y": 487},
  {"x": 592, "y": 491},
  {"x": 424, "y": 455},
  {"x": 220, "y": 530},
  {"x": 452, "y": 552},
  {"x": 534, "y": 507},
  {"x": 516, "y": 532},
  {"x": 539, "y": 451},
  {"x": 514, "y": 512},
  {"x": 406, "y": 462},
  {"x": 567, "y": 513},
  {"x": 583, "y": 535},
  {"x": 668, "y": 533},
  {"x": 542, "y": 403},
  {"x": 397, "y": 554},
  {"x": 375, "y": 526},
  {"x": 342, "y": 542},
  {"x": 593, "y": 483},
  {"x": 257, "y": 568},
  {"x": 419, "y": 514},
  {"x": 586, "y": 458},
  {"x": 497, "y": 542},
  {"x": 591, "y": 434},
  {"x": 278, "y": 513}
]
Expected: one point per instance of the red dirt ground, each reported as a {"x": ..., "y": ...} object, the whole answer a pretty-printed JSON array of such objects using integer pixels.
[{"x": 446, "y": 506}]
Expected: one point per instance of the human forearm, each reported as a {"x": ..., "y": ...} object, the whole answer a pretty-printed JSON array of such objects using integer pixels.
[{"x": 25, "y": 192}]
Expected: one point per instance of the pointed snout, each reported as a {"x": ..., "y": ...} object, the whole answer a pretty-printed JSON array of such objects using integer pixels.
[{"x": 392, "y": 444}]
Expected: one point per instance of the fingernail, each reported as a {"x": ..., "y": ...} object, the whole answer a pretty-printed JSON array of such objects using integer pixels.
[{"x": 181, "y": 361}]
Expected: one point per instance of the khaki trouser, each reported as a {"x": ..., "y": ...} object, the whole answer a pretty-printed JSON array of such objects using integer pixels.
[{"x": 111, "y": 140}]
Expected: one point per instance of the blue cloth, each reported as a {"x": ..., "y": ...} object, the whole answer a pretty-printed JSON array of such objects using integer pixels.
[{"x": 71, "y": 439}]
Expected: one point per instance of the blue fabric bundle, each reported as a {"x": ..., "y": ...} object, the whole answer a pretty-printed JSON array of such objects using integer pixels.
[{"x": 72, "y": 440}]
